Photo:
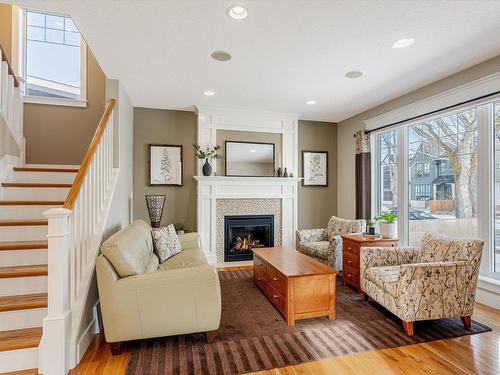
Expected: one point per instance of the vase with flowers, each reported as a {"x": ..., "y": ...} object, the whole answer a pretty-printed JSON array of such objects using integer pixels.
[{"x": 207, "y": 154}]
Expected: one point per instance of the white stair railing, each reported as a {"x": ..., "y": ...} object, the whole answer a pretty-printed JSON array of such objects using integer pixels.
[{"x": 74, "y": 234}]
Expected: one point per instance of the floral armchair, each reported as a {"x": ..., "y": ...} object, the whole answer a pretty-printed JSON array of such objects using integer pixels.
[
  {"x": 325, "y": 245},
  {"x": 437, "y": 280}
]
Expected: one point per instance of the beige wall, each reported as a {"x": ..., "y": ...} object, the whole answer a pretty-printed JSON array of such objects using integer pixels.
[
  {"x": 232, "y": 135},
  {"x": 165, "y": 127},
  {"x": 318, "y": 204},
  {"x": 61, "y": 135},
  {"x": 346, "y": 128},
  {"x": 6, "y": 28}
]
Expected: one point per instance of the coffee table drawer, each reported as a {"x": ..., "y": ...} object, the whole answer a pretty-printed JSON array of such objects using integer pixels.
[
  {"x": 261, "y": 283},
  {"x": 277, "y": 280},
  {"x": 260, "y": 266},
  {"x": 277, "y": 300}
]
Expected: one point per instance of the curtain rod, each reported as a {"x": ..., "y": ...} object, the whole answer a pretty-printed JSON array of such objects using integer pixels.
[{"x": 433, "y": 112}]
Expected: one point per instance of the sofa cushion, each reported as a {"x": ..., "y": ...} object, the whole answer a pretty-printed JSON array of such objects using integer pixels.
[
  {"x": 386, "y": 278},
  {"x": 188, "y": 258},
  {"x": 166, "y": 243},
  {"x": 130, "y": 250},
  {"x": 337, "y": 226},
  {"x": 318, "y": 249},
  {"x": 440, "y": 248}
]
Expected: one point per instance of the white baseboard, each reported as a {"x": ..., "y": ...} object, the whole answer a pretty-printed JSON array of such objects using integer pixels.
[
  {"x": 488, "y": 292},
  {"x": 84, "y": 340}
]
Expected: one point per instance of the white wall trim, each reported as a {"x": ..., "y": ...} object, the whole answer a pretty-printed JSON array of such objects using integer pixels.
[
  {"x": 471, "y": 90},
  {"x": 488, "y": 292},
  {"x": 55, "y": 101}
]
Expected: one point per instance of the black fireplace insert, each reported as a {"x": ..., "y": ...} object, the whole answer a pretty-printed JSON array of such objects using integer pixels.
[{"x": 243, "y": 233}]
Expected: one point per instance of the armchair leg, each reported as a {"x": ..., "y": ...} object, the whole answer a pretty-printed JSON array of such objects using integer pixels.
[
  {"x": 467, "y": 321},
  {"x": 210, "y": 335},
  {"x": 365, "y": 296},
  {"x": 116, "y": 348},
  {"x": 408, "y": 328}
]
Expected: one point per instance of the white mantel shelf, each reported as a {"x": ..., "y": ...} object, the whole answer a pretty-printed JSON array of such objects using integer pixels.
[{"x": 212, "y": 188}]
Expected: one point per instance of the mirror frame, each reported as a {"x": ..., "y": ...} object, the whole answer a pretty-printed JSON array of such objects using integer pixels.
[{"x": 248, "y": 143}]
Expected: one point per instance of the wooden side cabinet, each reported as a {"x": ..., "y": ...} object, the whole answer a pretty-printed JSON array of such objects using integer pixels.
[{"x": 351, "y": 245}]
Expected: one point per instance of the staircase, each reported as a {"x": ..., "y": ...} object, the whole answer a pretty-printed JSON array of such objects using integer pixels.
[{"x": 26, "y": 193}]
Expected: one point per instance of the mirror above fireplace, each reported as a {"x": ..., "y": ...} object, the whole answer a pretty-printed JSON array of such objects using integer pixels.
[{"x": 249, "y": 159}]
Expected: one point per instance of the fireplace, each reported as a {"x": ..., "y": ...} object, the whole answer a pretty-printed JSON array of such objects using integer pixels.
[{"x": 244, "y": 232}]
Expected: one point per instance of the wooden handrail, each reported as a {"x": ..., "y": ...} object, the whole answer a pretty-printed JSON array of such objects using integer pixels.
[
  {"x": 82, "y": 172},
  {"x": 11, "y": 71}
]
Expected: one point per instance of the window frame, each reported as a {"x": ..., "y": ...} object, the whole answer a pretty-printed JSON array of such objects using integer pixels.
[
  {"x": 485, "y": 176},
  {"x": 82, "y": 101}
]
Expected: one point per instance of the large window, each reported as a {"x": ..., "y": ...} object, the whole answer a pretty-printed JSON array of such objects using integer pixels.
[
  {"x": 442, "y": 174},
  {"x": 54, "y": 57}
]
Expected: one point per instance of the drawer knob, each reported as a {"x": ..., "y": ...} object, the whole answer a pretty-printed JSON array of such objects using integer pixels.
[
  {"x": 349, "y": 261},
  {"x": 349, "y": 248},
  {"x": 349, "y": 275},
  {"x": 259, "y": 278},
  {"x": 275, "y": 296},
  {"x": 275, "y": 279}
]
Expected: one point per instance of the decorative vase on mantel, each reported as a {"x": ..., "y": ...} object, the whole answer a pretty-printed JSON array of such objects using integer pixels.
[{"x": 207, "y": 168}]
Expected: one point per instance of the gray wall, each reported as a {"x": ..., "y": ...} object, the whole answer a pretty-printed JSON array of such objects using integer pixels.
[
  {"x": 346, "y": 128},
  {"x": 157, "y": 126},
  {"x": 317, "y": 204}
]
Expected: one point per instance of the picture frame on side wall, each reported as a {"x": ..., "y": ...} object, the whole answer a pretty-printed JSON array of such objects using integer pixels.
[
  {"x": 315, "y": 168},
  {"x": 165, "y": 165}
]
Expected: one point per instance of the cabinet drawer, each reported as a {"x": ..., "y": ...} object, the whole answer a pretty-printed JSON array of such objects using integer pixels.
[
  {"x": 351, "y": 247},
  {"x": 261, "y": 282},
  {"x": 277, "y": 300},
  {"x": 351, "y": 260},
  {"x": 351, "y": 276},
  {"x": 277, "y": 280},
  {"x": 260, "y": 266}
]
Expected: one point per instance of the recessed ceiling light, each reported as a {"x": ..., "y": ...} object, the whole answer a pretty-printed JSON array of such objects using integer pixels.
[
  {"x": 209, "y": 93},
  {"x": 354, "y": 74},
  {"x": 311, "y": 102},
  {"x": 221, "y": 56},
  {"x": 403, "y": 43},
  {"x": 237, "y": 12}
]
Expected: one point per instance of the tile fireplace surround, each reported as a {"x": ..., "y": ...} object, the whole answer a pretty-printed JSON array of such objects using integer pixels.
[{"x": 220, "y": 196}]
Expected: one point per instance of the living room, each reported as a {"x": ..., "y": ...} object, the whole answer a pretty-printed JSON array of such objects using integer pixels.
[{"x": 249, "y": 187}]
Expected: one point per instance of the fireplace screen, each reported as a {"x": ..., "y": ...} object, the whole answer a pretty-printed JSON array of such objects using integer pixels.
[{"x": 244, "y": 233}]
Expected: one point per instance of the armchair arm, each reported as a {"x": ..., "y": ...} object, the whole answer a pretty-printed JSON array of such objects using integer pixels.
[
  {"x": 435, "y": 290},
  {"x": 310, "y": 235},
  {"x": 190, "y": 241},
  {"x": 386, "y": 256}
]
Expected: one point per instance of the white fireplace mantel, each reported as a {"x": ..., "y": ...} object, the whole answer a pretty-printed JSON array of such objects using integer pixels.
[{"x": 212, "y": 188}]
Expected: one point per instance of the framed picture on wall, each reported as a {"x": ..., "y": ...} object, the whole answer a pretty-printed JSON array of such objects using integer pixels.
[
  {"x": 165, "y": 165},
  {"x": 315, "y": 168}
]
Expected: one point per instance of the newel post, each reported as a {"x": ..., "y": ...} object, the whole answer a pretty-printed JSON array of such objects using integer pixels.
[{"x": 57, "y": 325}]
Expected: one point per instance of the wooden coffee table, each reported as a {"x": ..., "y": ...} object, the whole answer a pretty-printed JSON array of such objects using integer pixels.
[{"x": 297, "y": 285}]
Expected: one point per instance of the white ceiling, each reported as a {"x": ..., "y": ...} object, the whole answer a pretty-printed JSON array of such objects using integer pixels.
[{"x": 284, "y": 53}]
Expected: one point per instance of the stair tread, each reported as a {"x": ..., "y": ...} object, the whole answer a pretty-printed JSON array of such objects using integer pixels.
[
  {"x": 20, "y": 338},
  {"x": 23, "y": 222},
  {"x": 23, "y": 302},
  {"x": 24, "y": 245},
  {"x": 35, "y": 185},
  {"x": 31, "y": 371},
  {"x": 31, "y": 203},
  {"x": 46, "y": 169},
  {"x": 23, "y": 271}
]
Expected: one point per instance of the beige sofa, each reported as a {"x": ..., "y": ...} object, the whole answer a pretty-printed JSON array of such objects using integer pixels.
[
  {"x": 437, "y": 280},
  {"x": 325, "y": 244},
  {"x": 142, "y": 299}
]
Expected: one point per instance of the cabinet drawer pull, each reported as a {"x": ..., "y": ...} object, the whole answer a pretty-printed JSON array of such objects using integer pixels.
[
  {"x": 349, "y": 248},
  {"x": 349, "y": 275},
  {"x": 275, "y": 279},
  {"x": 259, "y": 278},
  {"x": 349, "y": 261},
  {"x": 275, "y": 295}
]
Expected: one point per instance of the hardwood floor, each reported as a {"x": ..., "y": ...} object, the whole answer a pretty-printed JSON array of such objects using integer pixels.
[{"x": 475, "y": 354}]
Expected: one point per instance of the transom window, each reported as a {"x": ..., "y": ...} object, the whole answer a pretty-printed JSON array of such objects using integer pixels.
[{"x": 54, "y": 55}]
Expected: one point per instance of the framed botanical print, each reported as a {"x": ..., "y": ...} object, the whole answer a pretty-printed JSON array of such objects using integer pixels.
[
  {"x": 315, "y": 168},
  {"x": 165, "y": 165}
]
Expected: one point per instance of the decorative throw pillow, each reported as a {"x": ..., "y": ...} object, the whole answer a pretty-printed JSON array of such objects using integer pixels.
[{"x": 166, "y": 242}]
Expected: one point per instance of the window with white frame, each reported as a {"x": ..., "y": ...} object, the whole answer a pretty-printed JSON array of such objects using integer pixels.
[
  {"x": 446, "y": 177},
  {"x": 54, "y": 58}
]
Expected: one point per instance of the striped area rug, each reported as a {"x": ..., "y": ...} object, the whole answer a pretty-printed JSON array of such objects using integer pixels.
[{"x": 254, "y": 336}]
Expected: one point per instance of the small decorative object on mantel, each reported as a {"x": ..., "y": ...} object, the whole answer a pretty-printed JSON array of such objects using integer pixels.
[
  {"x": 285, "y": 174},
  {"x": 165, "y": 165},
  {"x": 208, "y": 153},
  {"x": 279, "y": 173},
  {"x": 180, "y": 228},
  {"x": 290, "y": 175},
  {"x": 388, "y": 225},
  {"x": 315, "y": 168},
  {"x": 155, "y": 204}
]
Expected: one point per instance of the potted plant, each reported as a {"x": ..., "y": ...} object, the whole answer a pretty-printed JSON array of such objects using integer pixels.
[
  {"x": 208, "y": 153},
  {"x": 370, "y": 227},
  {"x": 181, "y": 228},
  {"x": 388, "y": 225}
]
